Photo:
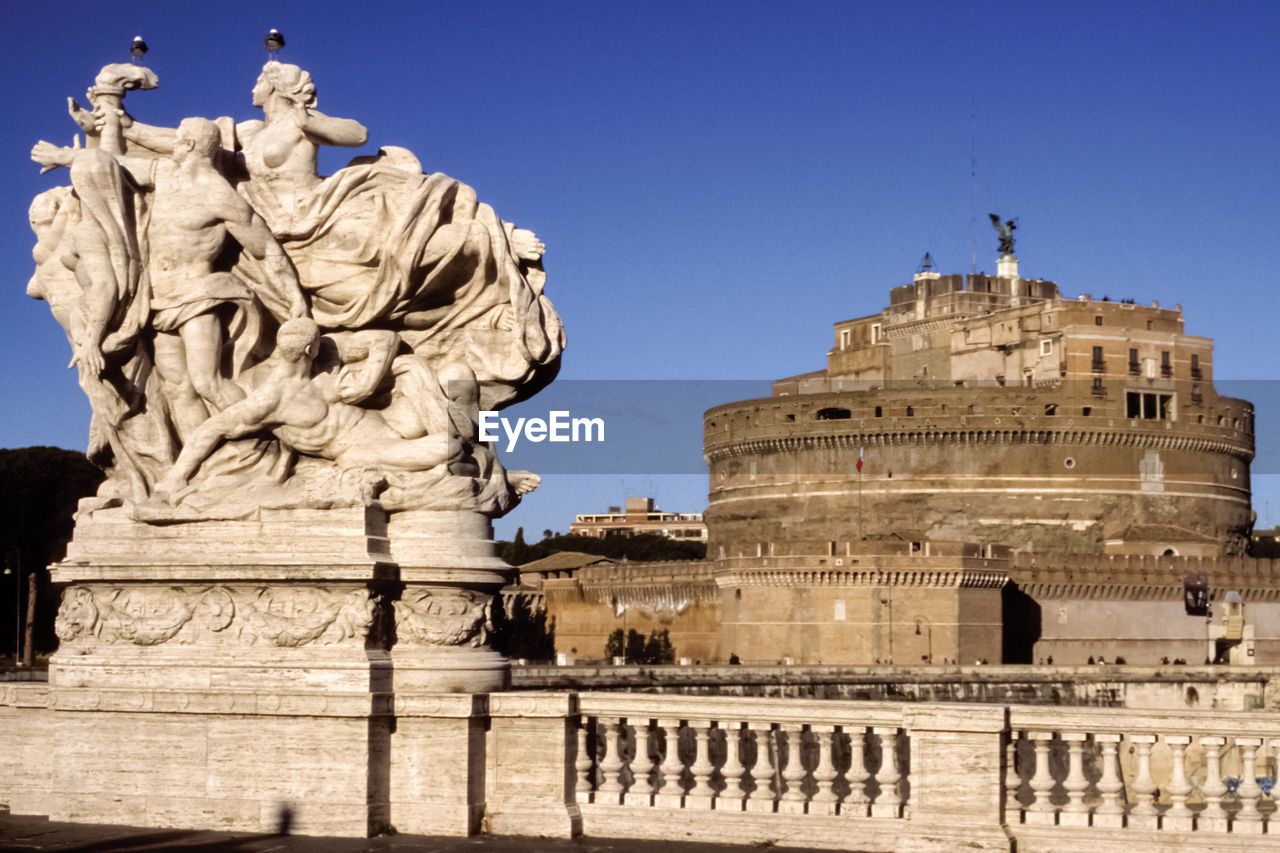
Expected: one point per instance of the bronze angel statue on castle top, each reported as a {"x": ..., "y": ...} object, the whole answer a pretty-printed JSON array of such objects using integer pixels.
[{"x": 251, "y": 333}]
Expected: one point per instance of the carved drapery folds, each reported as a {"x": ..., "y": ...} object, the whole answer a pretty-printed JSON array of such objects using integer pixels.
[{"x": 146, "y": 615}]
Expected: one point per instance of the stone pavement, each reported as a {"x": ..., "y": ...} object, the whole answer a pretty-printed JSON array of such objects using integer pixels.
[{"x": 23, "y": 833}]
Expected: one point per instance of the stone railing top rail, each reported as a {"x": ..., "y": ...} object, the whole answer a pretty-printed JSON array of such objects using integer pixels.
[
  {"x": 952, "y": 716},
  {"x": 587, "y": 674},
  {"x": 1144, "y": 721},
  {"x": 737, "y": 708}
]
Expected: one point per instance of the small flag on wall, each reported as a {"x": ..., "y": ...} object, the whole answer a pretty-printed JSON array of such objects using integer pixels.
[{"x": 859, "y": 466}]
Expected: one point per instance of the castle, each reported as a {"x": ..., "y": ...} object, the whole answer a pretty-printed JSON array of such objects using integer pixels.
[{"x": 986, "y": 470}]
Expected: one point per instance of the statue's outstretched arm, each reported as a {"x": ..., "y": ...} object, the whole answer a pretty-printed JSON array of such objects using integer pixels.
[
  {"x": 245, "y": 417},
  {"x": 51, "y": 156},
  {"x": 327, "y": 130},
  {"x": 148, "y": 136},
  {"x": 366, "y": 358}
]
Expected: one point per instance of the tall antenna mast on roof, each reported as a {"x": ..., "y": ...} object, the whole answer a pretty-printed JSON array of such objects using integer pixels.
[{"x": 973, "y": 186}]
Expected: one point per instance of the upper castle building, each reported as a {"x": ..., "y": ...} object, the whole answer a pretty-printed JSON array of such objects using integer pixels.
[{"x": 990, "y": 409}]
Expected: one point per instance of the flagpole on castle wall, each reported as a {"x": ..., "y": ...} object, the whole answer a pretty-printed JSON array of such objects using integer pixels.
[{"x": 859, "y": 467}]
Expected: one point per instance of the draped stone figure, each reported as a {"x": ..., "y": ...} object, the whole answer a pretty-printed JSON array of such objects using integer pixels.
[{"x": 177, "y": 253}]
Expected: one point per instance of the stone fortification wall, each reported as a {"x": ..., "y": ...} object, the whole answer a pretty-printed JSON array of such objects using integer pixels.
[
  {"x": 678, "y": 597},
  {"x": 1133, "y": 605},
  {"x": 1133, "y": 576},
  {"x": 1043, "y": 470},
  {"x": 944, "y": 605}
]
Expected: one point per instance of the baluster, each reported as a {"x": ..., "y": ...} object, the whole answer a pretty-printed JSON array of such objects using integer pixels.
[
  {"x": 762, "y": 796},
  {"x": 824, "y": 801},
  {"x": 793, "y": 771},
  {"x": 610, "y": 790},
  {"x": 641, "y": 791},
  {"x": 856, "y": 804},
  {"x": 583, "y": 763},
  {"x": 1178, "y": 818},
  {"x": 1075, "y": 812},
  {"x": 699, "y": 796},
  {"x": 889, "y": 803},
  {"x": 1111, "y": 812},
  {"x": 730, "y": 799},
  {"x": 1041, "y": 811},
  {"x": 1247, "y": 820},
  {"x": 1012, "y": 781},
  {"x": 1214, "y": 817},
  {"x": 1143, "y": 814},
  {"x": 670, "y": 794}
]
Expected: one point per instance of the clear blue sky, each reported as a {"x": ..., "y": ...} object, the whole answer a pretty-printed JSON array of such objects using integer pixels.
[{"x": 717, "y": 183}]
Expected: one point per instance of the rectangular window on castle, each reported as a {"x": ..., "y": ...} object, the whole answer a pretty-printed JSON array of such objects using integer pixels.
[
  {"x": 1195, "y": 366},
  {"x": 875, "y": 333},
  {"x": 1134, "y": 366},
  {"x": 1046, "y": 347},
  {"x": 845, "y": 336},
  {"x": 1099, "y": 366},
  {"x": 1166, "y": 364}
]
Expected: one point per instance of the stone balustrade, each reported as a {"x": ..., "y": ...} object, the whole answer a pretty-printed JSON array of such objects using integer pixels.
[
  {"x": 834, "y": 774},
  {"x": 798, "y": 771},
  {"x": 741, "y": 756},
  {"x": 922, "y": 777},
  {"x": 1177, "y": 776}
]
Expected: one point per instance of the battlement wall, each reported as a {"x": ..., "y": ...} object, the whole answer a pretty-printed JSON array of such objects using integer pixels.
[{"x": 975, "y": 414}]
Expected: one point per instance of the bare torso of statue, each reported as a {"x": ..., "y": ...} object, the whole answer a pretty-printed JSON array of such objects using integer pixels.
[{"x": 185, "y": 238}]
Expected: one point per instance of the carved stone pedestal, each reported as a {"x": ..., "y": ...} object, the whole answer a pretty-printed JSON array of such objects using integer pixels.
[
  {"x": 246, "y": 674},
  {"x": 449, "y": 572}
]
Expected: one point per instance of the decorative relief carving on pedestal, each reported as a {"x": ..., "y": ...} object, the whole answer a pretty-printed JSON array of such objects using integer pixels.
[
  {"x": 437, "y": 618},
  {"x": 144, "y": 617},
  {"x": 297, "y": 616},
  {"x": 149, "y": 616}
]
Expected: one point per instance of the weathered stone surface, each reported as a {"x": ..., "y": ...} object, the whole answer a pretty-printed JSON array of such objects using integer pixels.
[{"x": 194, "y": 287}]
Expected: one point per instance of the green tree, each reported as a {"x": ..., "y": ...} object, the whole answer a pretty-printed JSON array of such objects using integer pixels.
[
  {"x": 39, "y": 490},
  {"x": 524, "y": 632},
  {"x": 658, "y": 648},
  {"x": 614, "y": 647},
  {"x": 516, "y": 552},
  {"x": 635, "y": 647},
  {"x": 645, "y": 547}
]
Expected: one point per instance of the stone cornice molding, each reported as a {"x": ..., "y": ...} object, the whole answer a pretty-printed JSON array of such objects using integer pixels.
[
  {"x": 942, "y": 578},
  {"x": 1138, "y": 576},
  {"x": 656, "y": 587},
  {"x": 922, "y": 327},
  {"x": 1135, "y": 589},
  {"x": 969, "y": 437}
]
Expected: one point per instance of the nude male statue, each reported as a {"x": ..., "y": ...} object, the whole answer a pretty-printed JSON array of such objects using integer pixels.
[
  {"x": 310, "y": 414},
  {"x": 193, "y": 212}
]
